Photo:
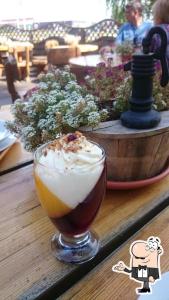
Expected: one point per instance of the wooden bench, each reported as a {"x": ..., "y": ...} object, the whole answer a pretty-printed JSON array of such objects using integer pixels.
[{"x": 101, "y": 32}]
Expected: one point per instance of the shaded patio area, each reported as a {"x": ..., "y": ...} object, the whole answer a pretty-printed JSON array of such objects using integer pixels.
[{"x": 21, "y": 86}]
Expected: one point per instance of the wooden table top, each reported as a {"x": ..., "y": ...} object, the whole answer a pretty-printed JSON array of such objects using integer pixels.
[
  {"x": 4, "y": 48},
  {"x": 92, "y": 61},
  {"x": 102, "y": 283},
  {"x": 17, "y": 155},
  {"x": 27, "y": 267},
  {"x": 83, "y": 47},
  {"x": 87, "y": 48},
  {"x": 16, "y": 45}
]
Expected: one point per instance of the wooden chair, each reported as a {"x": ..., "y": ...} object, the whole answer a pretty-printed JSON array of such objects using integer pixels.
[
  {"x": 40, "y": 51},
  {"x": 22, "y": 56}
]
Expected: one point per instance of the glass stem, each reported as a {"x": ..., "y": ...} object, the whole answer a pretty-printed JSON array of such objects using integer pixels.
[{"x": 74, "y": 241}]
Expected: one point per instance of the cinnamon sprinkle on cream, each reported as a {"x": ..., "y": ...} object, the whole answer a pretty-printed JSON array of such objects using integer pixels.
[{"x": 71, "y": 142}]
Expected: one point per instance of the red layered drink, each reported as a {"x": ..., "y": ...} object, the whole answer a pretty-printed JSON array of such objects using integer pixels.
[{"x": 70, "y": 179}]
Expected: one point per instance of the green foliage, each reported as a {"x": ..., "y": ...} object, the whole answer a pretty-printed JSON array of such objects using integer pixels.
[
  {"x": 59, "y": 105},
  {"x": 160, "y": 95},
  {"x": 126, "y": 48},
  {"x": 117, "y": 9},
  {"x": 103, "y": 81},
  {"x": 123, "y": 94}
]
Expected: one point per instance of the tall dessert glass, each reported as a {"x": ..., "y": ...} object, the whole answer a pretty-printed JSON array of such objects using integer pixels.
[{"x": 70, "y": 178}]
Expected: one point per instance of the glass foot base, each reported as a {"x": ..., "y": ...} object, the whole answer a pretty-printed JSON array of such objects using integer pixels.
[{"x": 76, "y": 249}]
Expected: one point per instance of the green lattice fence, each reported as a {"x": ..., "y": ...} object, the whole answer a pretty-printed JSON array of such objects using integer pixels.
[{"x": 104, "y": 29}]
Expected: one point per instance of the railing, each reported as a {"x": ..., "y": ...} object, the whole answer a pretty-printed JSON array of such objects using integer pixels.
[{"x": 105, "y": 29}]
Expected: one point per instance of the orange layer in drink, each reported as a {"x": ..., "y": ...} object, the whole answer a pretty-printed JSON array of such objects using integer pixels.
[{"x": 50, "y": 202}]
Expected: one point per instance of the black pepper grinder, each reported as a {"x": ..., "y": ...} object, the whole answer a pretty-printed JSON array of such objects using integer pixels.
[{"x": 141, "y": 115}]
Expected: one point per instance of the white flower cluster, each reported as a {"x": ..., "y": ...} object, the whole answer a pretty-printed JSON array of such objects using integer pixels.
[{"x": 60, "y": 105}]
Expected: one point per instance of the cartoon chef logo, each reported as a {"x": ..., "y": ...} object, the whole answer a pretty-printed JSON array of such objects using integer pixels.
[{"x": 144, "y": 263}]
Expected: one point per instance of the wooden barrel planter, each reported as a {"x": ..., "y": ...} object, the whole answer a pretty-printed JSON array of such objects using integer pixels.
[
  {"x": 133, "y": 154},
  {"x": 60, "y": 55}
]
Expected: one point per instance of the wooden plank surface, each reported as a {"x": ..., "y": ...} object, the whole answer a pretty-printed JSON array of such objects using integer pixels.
[
  {"x": 102, "y": 283},
  {"x": 15, "y": 158},
  {"x": 87, "y": 48},
  {"x": 17, "y": 155},
  {"x": 132, "y": 154},
  {"x": 27, "y": 267},
  {"x": 135, "y": 158},
  {"x": 114, "y": 129}
]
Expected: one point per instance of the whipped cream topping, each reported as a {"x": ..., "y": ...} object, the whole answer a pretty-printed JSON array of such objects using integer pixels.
[
  {"x": 70, "y": 168},
  {"x": 75, "y": 156}
]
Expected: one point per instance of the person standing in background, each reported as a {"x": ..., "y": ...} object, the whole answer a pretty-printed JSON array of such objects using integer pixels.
[{"x": 135, "y": 29}]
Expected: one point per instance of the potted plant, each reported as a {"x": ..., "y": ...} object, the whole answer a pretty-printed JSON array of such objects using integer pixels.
[
  {"x": 126, "y": 50},
  {"x": 58, "y": 105},
  {"x": 134, "y": 154},
  {"x": 61, "y": 105},
  {"x": 103, "y": 82},
  {"x": 123, "y": 93}
]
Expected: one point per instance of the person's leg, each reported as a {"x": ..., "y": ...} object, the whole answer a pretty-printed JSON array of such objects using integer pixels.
[
  {"x": 11, "y": 76},
  {"x": 145, "y": 288},
  {"x": 146, "y": 285}
]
